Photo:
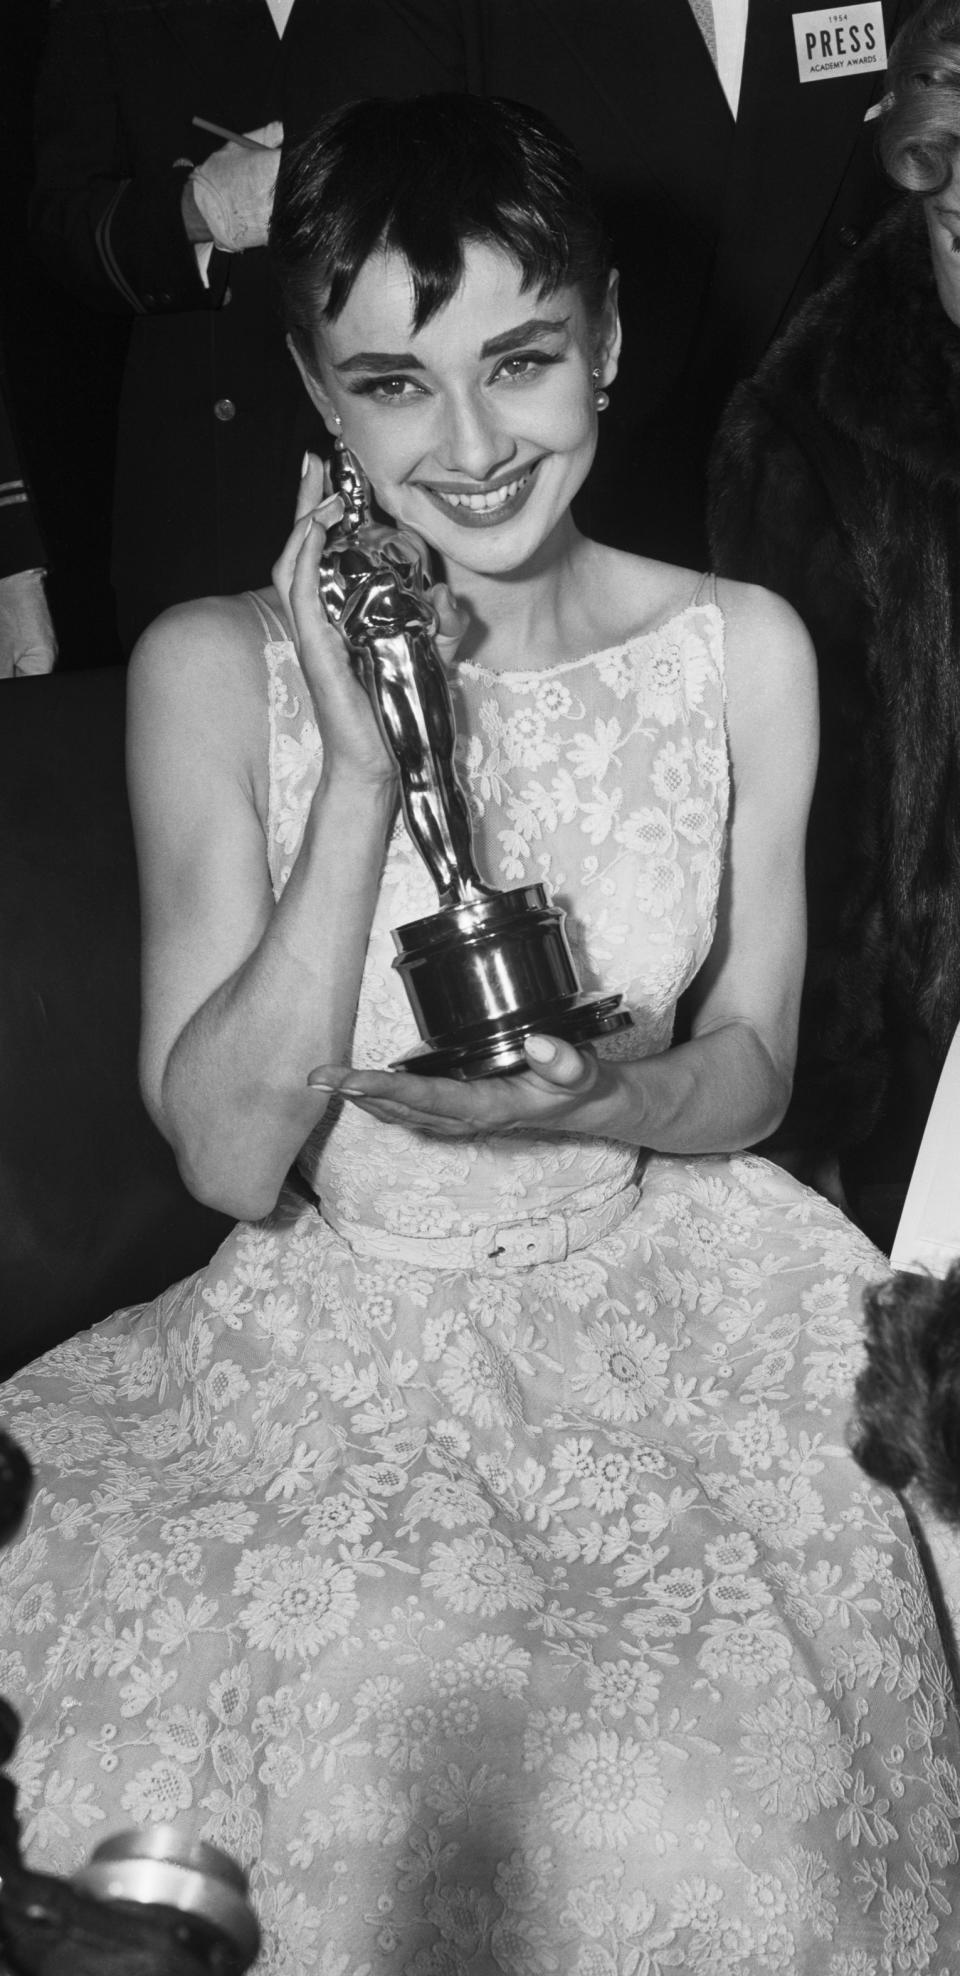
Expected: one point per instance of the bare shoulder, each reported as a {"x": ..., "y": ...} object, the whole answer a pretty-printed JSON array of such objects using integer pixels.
[
  {"x": 771, "y": 675},
  {"x": 198, "y": 691},
  {"x": 768, "y": 647},
  {"x": 621, "y": 595}
]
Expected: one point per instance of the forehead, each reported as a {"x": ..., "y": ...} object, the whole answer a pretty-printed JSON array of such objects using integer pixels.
[{"x": 491, "y": 298}]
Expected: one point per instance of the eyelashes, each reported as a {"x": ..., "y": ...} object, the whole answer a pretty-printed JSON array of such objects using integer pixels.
[{"x": 401, "y": 387}]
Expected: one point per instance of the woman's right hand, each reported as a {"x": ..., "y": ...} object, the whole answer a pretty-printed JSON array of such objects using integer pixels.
[
  {"x": 348, "y": 724},
  {"x": 351, "y": 737}
]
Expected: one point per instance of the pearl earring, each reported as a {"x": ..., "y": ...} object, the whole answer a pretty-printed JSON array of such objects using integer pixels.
[{"x": 601, "y": 398}]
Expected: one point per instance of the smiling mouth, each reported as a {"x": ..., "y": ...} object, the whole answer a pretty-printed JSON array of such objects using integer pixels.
[{"x": 480, "y": 509}]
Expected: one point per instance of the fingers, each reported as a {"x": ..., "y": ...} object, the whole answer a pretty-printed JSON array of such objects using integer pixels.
[
  {"x": 305, "y": 601},
  {"x": 561, "y": 1065},
  {"x": 271, "y": 134},
  {"x": 315, "y": 486},
  {"x": 452, "y": 619},
  {"x": 317, "y": 508}
]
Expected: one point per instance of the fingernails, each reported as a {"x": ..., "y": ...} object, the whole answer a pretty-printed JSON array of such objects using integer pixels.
[
  {"x": 330, "y": 511},
  {"x": 338, "y": 1090},
  {"x": 304, "y": 470},
  {"x": 540, "y": 1048}
]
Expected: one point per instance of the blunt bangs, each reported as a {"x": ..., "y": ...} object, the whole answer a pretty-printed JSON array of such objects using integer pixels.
[{"x": 422, "y": 178}]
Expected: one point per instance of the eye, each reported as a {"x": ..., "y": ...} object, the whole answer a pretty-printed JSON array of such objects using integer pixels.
[
  {"x": 526, "y": 364},
  {"x": 955, "y": 243},
  {"x": 387, "y": 390}
]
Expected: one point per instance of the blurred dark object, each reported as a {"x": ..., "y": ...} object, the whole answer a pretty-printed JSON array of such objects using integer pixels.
[
  {"x": 93, "y": 1214},
  {"x": 907, "y": 1422},
  {"x": 16, "y": 1477},
  {"x": 146, "y": 1904},
  {"x": 86, "y": 1927}
]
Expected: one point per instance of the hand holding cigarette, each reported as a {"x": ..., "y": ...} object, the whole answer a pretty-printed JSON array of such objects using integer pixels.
[{"x": 233, "y": 188}]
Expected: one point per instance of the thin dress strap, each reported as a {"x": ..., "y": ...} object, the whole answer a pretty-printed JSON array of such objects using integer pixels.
[
  {"x": 706, "y": 590},
  {"x": 271, "y": 623}
]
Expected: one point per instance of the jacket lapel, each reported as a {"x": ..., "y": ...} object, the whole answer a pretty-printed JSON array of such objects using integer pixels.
[{"x": 608, "y": 75}]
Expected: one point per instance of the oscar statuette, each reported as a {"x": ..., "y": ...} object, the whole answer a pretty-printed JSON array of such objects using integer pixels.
[{"x": 489, "y": 967}]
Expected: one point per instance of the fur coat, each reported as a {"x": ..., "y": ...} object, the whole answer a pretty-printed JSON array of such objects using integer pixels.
[{"x": 835, "y": 480}]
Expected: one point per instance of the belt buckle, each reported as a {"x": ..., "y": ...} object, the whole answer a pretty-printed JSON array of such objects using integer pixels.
[{"x": 521, "y": 1244}]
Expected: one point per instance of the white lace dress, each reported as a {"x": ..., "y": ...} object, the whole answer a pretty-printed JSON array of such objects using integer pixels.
[{"x": 480, "y": 1559}]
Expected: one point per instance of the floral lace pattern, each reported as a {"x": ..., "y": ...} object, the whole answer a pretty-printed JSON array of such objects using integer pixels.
[{"x": 504, "y": 1621}]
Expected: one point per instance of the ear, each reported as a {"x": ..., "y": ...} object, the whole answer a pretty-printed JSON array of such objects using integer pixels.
[
  {"x": 609, "y": 333},
  {"x": 315, "y": 391}
]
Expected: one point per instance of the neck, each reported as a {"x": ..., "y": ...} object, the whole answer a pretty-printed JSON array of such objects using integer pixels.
[{"x": 521, "y": 620}]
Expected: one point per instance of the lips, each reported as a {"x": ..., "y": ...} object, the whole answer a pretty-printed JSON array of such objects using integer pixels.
[{"x": 486, "y": 507}]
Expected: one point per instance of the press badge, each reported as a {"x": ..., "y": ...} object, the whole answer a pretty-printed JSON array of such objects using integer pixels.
[{"x": 840, "y": 41}]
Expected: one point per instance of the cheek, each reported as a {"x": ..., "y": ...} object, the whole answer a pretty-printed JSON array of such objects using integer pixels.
[
  {"x": 574, "y": 418},
  {"x": 380, "y": 448}
]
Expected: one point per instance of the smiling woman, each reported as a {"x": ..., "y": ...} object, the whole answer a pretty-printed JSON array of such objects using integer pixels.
[
  {"x": 485, "y": 414},
  {"x": 482, "y": 1559},
  {"x": 462, "y": 364}
]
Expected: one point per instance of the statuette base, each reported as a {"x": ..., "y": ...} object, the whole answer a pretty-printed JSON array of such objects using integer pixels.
[{"x": 482, "y": 976}]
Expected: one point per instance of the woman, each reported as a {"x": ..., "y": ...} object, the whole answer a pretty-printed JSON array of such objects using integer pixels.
[
  {"x": 474, "y": 1545},
  {"x": 836, "y": 480}
]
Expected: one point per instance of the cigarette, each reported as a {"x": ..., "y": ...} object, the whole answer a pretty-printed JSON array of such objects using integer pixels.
[{"x": 231, "y": 136}]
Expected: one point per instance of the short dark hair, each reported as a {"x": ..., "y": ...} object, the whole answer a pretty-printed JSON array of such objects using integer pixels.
[
  {"x": 920, "y": 125},
  {"x": 423, "y": 176}
]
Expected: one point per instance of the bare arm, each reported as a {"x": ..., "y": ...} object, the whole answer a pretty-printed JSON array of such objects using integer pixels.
[
  {"x": 241, "y": 994},
  {"x": 728, "y": 1086}
]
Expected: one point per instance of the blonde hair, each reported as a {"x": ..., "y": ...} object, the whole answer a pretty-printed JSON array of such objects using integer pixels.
[{"x": 919, "y": 137}]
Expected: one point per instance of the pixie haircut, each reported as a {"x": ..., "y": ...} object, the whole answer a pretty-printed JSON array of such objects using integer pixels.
[
  {"x": 920, "y": 126},
  {"x": 423, "y": 177}
]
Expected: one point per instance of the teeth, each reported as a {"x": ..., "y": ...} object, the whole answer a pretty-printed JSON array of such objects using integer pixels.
[{"x": 484, "y": 504}]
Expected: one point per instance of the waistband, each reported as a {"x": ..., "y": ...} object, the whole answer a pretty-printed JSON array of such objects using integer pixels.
[{"x": 496, "y": 1247}]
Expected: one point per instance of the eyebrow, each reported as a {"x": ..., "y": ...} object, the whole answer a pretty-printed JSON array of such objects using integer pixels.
[
  {"x": 947, "y": 212},
  {"x": 535, "y": 330}
]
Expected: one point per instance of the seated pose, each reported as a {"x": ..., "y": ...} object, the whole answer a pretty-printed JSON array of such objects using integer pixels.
[
  {"x": 836, "y": 480},
  {"x": 473, "y": 1548}
]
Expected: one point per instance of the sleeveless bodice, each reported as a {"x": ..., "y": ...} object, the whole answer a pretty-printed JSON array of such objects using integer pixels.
[{"x": 606, "y": 776}]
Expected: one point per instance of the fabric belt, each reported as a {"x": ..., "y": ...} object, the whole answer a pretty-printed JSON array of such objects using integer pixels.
[{"x": 498, "y": 1246}]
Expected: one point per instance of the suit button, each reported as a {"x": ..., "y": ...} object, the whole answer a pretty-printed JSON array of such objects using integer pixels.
[
  {"x": 225, "y": 410},
  {"x": 849, "y": 237}
]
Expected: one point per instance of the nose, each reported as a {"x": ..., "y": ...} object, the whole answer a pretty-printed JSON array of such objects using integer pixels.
[{"x": 471, "y": 441}]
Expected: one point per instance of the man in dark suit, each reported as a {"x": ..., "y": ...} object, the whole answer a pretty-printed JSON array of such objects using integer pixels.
[
  {"x": 724, "y": 214},
  {"x": 213, "y": 418}
]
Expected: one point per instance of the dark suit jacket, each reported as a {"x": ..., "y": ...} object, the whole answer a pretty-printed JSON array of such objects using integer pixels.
[
  {"x": 214, "y": 420},
  {"x": 21, "y": 544},
  {"x": 720, "y": 228}
]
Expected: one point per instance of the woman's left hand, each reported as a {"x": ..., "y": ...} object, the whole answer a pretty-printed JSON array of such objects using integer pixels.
[{"x": 562, "y": 1090}]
